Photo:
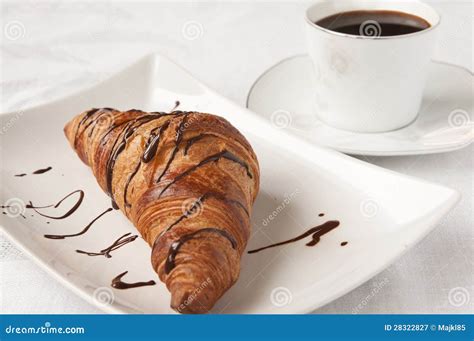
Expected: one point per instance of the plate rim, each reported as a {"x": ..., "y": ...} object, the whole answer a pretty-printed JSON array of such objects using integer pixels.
[{"x": 366, "y": 152}]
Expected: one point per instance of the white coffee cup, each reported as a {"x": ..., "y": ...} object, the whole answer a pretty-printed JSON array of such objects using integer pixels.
[{"x": 369, "y": 83}]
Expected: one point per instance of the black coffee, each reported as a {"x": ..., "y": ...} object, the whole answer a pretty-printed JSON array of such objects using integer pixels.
[{"x": 374, "y": 23}]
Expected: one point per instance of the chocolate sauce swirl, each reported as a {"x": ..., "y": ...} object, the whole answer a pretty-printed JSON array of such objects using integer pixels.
[
  {"x": 175, "y": 246},
  {"x": 122, "y": 241},
  {"x": 117, "y": 282},
  {"x": 68, "y": 213},
  {"x": 317, "y": 232},
  {"x": 41, "y": 171},
  {"x": 88, "y": 226},
  {"x": 176, "y": 105}
]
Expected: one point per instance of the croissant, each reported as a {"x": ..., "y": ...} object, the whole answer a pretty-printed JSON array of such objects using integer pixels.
[{"x": 187, "y": 181}]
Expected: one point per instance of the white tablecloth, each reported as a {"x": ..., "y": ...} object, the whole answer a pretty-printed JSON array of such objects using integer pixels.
[{"x": 53, "y": 48}]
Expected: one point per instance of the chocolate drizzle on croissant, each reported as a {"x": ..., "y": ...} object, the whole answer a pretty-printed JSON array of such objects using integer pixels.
[
  {"x": 195, "y": 206},
  {"x": 213, "y": 158},
  {"x": 175, "y": 246},
  {"x": 179, "y": 137},
  {"x": 174, "y": 175},
  {"x": 153, "y": 140},
  {"x": 129, "y": 130}
]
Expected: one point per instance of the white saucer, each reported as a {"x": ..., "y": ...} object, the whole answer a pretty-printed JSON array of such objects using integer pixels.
[{"x": 283, "y": 94}]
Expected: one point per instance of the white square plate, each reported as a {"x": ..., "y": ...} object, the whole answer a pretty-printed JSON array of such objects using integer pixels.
[{"x": 381, "y": 213}]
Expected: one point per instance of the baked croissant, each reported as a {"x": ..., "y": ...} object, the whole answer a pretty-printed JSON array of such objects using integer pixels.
[{"x": 187, "y": 181}]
